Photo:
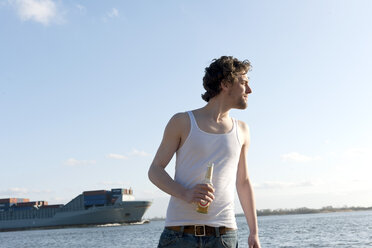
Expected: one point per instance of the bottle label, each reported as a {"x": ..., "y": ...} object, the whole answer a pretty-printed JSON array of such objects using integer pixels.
[{"x": 203, "y": 204}]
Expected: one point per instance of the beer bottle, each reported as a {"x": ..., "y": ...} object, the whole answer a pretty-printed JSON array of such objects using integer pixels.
[{"x": 204, "y": 205}]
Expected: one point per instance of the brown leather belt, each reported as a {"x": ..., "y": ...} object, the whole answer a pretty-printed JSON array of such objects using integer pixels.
[{"x": 201, "y": 230}]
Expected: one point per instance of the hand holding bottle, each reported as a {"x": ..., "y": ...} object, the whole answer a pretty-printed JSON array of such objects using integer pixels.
[
  {"x": 203, "y": 205},
  {"x": 199, "y": 193}
]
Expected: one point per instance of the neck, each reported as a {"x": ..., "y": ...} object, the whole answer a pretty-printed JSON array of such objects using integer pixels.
[{"x": 216, "y": 110}]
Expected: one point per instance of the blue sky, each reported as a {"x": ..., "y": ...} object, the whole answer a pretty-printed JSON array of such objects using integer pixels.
[{"x": 87, "y": 87}]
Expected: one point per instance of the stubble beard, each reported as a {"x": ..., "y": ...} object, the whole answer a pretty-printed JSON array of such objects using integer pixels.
[{"x": 242, "y": 104}]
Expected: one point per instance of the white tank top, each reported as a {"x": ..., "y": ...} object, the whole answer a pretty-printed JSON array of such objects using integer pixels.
[{"x": 192, "y": 159}]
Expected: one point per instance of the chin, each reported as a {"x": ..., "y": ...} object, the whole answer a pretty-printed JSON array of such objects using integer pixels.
[{"x": 242, "y": 106}]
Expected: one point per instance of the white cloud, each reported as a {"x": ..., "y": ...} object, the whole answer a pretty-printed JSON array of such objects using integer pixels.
[
  {"x": 297, "y": 157},
  {"x": 133, "y": 153},
  {"x": 136, "y": 152},
  {"x": 116, "y": 156},
  {"x": 41, "y": 11},
  {"x": 113, "y": 13},
  {"x": 80, "y": 7},
  {"x": 281, "y": 185},
  {"x": 75, "y": 162}
]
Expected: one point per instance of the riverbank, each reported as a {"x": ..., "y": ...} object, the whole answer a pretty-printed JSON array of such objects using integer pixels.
[{"x": 304, "y": 210}]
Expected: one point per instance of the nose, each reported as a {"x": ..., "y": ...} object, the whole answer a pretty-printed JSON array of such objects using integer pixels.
[{"x": 248, "y": 90}]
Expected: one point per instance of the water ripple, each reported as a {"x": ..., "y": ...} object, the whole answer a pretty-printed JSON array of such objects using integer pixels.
[{"x": 333, "y": 230}]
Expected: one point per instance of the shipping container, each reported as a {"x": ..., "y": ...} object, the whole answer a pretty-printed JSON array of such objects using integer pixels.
[
  {"x": 95, "y": 192},
  {"x": 28, "y": 204},
  {"x": 13, "y": 200},
  {"x": 109, "y": 194},
  {"x": 97, "y": 201},
  {"x": 117, "y": 190},
  {"x": 8, "y": 200},
  {"x": 52, "y": 206},
  {"x": 94, "y": 202},
  {"x": 96, "y": 196}
]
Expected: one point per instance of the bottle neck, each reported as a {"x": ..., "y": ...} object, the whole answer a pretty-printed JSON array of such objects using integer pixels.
[
  {"x": 208, "y": 175},
  {"x": 207, "y": 181}
]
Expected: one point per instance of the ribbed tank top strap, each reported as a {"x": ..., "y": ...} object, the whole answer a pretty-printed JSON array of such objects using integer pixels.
[
  {"x": 236, "y": 126},
  {"x": 192, "y": 121}
]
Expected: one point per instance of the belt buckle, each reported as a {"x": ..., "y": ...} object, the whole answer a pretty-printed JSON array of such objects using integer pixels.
[{"x": 199, "y": 228}]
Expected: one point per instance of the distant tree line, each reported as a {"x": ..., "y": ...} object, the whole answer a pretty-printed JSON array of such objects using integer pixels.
[
  {"x": 304, "y": 210},
  {"x": 327, "y": 209}
]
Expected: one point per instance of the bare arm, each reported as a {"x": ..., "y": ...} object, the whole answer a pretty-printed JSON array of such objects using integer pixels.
[
  {"x": 171, "y": 142},
  {"x": 245, "y": 190}
]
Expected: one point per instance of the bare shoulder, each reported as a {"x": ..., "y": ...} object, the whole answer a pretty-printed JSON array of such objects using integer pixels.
[
  {"x": 179, "y": 119},
  {"x": 244, "y": 133},
  {"x": 177, "y": 130},
  {"x": 178, "y": 124},
  {"x": 243, "y": 126}
]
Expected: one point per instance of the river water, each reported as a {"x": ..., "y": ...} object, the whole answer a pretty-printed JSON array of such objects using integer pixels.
[{"x": 348, "y": 229}]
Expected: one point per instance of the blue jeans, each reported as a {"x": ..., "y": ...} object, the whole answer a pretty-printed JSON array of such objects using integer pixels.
[{"x": 170, "y": 238}]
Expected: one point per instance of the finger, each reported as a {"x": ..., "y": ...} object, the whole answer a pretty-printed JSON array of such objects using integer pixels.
[
  {"x": 207, "y": 187},
  {"x": 204, "y": 186},
  {"x": 208, "y": 199},
  {"x": 205, "y": 197},
  {"x": 210, "y": 188},
  {"x": 210, "y": 194},
  {"x": 201, "y": 197},
  {"x": 204, "y": 192}
]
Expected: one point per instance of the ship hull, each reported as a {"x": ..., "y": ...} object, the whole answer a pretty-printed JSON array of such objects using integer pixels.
[{"x": 125, "y": 212}]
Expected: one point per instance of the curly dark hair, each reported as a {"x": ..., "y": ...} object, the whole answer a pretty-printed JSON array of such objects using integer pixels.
[{"x": 226, "y": 69}]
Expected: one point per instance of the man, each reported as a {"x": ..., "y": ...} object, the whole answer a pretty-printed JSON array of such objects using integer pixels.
[{"x": 198, "y": 137}]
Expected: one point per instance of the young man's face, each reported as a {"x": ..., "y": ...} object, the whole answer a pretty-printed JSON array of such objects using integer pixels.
[{"x": 239, "y": 91}]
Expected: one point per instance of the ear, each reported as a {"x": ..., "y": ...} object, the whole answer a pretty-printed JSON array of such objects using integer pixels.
[{"x": 225, "y": 85}]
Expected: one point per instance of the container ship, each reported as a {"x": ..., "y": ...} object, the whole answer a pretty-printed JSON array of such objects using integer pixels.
[{"x": 97, "y": 207}]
